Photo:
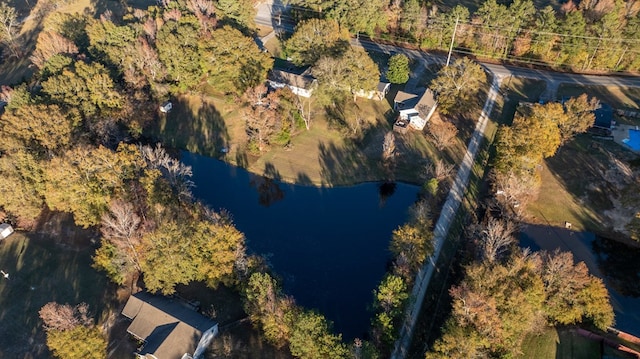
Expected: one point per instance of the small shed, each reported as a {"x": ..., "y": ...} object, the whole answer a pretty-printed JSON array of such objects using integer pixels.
[
  {"x": 5, "y": 230},
  {"x": 604, "y": 117},
  {"x": 166, "y": 107}
]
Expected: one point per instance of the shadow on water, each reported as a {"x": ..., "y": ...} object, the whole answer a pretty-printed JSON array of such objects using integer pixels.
[
  {"x": 269, "y": 190},
  {"x": 330, "y": 245}
]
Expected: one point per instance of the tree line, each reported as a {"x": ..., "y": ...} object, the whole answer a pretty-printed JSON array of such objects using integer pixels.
[{"x": 581, "y": 36}]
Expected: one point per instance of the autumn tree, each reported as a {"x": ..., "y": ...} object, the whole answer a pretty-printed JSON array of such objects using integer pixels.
[
  {"x": 533, "y": 136},
  {"x": 311, "y": 338},
  {"x": 315, "y": 38},
  {"x": 572, "y": 295},
  {"x": 178, "y": 50},
  {"x": 262, "y": 118},
  {"x": 442, "y": 132},
  {"x": 241, "y": 12},
  {"x": 84, "y": 180},
  {"x": 388, "y": 147},
  {"x": 354, "y": 71},
  {"x": 71, "y": 333},
  {"x": 360, "y": 16},
  {"x": 578, "y": 117},
  {"x": 457, "y": 84},
  {"x": 496, "y": 238},
  {"x": 41, "y": 126},
  {"x": 233, "y": 62},
  {"x": 398, "y": 69},
  {"x": 110, "y": 43},
  {"x": 49, "y": 44},
  {"x": 269, "y": 308},
  {"x": 192, "y": 250},
  {"x": 87, "y": 87},
  {"x": 23, "y": 177},
  {"x": 412, "y": 242}
]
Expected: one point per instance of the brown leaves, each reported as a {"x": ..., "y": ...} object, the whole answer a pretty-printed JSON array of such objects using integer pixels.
[
  {"x": 49, "y": 44},
  {"x": 64, "y": 317}
]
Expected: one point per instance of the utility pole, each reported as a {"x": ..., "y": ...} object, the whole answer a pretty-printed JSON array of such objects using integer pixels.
[{"x": 453, "y": 38}]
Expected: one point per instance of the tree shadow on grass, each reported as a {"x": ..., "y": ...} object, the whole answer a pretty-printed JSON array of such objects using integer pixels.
[
  {"x": 42, "y": 271},
  {"x": 193, "y": 124}
]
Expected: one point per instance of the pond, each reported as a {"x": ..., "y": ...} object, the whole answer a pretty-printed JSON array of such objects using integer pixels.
[
  {"x": 329, "y": 245},
  {"x": 616, "y": 263}
]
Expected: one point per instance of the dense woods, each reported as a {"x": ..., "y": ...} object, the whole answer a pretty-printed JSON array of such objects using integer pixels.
[{"x": 579, "y": 35}]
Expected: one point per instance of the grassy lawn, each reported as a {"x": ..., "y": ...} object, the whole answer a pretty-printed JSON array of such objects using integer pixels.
[
  {"x": 325, "y": 155},
  {"x": 517, "y": 90},
  {"x": 574, "y": 186},
  {"x": 617, "y": 97},
  {"x": 42, "y": 271},
  {"x": 559, "y": 344}
]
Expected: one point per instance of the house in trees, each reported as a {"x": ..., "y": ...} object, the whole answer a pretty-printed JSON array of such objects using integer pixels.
[
  {"x": 415, "y": 109},
  {"x": 300, "y": 84},
  {"x": 168, "y": 328},
  {"x": 381, "y": 90}
]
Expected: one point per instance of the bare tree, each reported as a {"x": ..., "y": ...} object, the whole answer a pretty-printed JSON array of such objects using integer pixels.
[
  {"x": 150, "y": 28},
  {"x": 50, "y": 44},
  {"x": 496, "y": 237},
  {"x": 440, "y": 170},
  {"x": 177, "y": 173},
  {"x": 9, "y": 28},
  {"x": 120, "y": 227},
  {"x": 513, "y": 192},
  {"x": 388, "y": 147},
  {"x": 442, "y": 132},
  {"x": 64, "y": 317}
]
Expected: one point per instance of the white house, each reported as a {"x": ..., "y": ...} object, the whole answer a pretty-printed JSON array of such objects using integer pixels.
[
  {"x": 5, "y": 230},
  {"x": 417, "y": 109},
  {"x": 301, "y": 85}
]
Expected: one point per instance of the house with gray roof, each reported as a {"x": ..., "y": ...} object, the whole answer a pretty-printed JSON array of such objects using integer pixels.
[
  {"x": 300, "y": 84},
  {"x": 415, "y": 109},
  {"x": 168, "y": 328}
]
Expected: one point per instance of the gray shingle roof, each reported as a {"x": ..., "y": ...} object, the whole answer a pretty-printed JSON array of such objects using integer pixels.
[{"x": 169, "y": 328}]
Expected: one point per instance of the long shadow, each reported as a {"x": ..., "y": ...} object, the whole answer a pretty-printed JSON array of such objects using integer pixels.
[
  {"x": 193, "y": 124},
  {"x": 42, "y": 271}
]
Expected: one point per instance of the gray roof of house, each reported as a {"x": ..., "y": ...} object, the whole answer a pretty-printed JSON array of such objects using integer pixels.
[
  {"x": 302, "y": 81},
  {"x": 382, "y": 85},
  {"x": 169, "y": 328},
  {"x": 420, "y": 102}
]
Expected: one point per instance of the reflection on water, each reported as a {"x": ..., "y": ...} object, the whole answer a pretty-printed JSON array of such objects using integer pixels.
[
  {"x": 268, "y": 190},
  {"x": 616, "y": 263},
  {"x": 330, "y": 245}
]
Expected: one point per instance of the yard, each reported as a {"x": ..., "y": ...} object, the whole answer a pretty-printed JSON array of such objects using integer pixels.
[
  {"x": 585, "y": 184},
  {"x": 41, "y": 271}
]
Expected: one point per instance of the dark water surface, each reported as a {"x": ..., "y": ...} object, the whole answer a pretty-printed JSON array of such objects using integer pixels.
[
  {"x": 614, "y": 262},
  {"x": 330, "y": 245}
]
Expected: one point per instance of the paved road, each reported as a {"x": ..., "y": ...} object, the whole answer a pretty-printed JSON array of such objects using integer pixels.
[{"x": 447, "y": 215}]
